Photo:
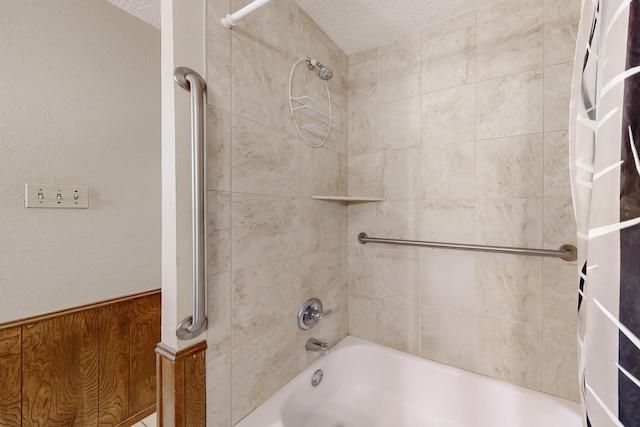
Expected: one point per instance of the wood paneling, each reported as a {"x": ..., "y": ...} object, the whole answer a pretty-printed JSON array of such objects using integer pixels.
[
  {"x": 195, "y": 389},
  {"x": 10, "y": 377},
  {"x": 113, "y": 360},
  {"x": 60, "y": 371},
  {"x": 145, "y": 334},
  {"x": 182, "y": 386},
  {"x": 76, "y": 368}
]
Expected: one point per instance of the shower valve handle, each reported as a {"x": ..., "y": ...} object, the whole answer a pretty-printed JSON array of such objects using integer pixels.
[
  {"x": 310, "y": 314},
  {"x": 317, "y": 315}
]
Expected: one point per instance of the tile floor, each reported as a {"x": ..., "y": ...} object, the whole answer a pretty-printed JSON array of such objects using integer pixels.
[{"x": 150, "y": 421}]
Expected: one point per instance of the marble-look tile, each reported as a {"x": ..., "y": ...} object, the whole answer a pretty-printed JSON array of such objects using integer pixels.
[
  {"x": 399, "y": 74},
  {"x": 398, "y": 124},
  {"x": 559, "y": 346},
  {"x": 218, "y": 379},
  {"x": 561, "y": 19},
  {"x": 560, "y": 283},
  {"x": 398, "y": 219},
  {"x": 449, "y": 26},
  {"x": 510, "y": 167},
  {"x": 448, "y": 337},
  {"x": 557, "y": 182},
  {"x": 263, "y": 296},
  {"x": 319, "y": 37},
  {"x": 406, "y": 41},
  {"x": 257, "y": 95},
  {"x": 218, "y": 48},
  {"x": 449, "y": 171},
  {"x": 219, "y": 314},
  {"x": 510, "y": 43},
  {"x": 362, "y": 270},
  {"x": 448, "y": 279},
  {"x": 218, "y": 149},
  {"x": 560, "y": 362},
  {"x": 559, "y": 224},
  {"x": 557, "y": 95},
  {"x": 363, "y": 80},
  {"x": 509, "y": 351},
  {"x": 449, "y": 61},
  {"x": 361, "y": 219},
  {"x": 449, "y": 115},
  {"x": 507, "y": 7},
  {"x": 319, "y": 273},
  {"x": 509, "y": 222},
  {"x": 397, "y": 275},
  {"x": 398, "y": 325},
  {"x": 365, "y": 175},
  {"x": 256, "y": 375},
  {"x": 264, "y": 160},
  {"x": 218, "y": 232},
  {"x": 319, "y": 225},
  {"x": 264, "y": 229},
  {"x": 510, "y": 288},
  {"x": 360, "y": 57},
  {"x": 259, "y": 28},
  {"x": 362, "y": 318},
  {"x": 217, "y": 9},
  {"x": 448, "y": 220},
  {"x": 363, "y": 130},
  {"x": 321, "y": 171},
  {"x": 510, "y": 105},
  {"x": 401, "y": 174}
]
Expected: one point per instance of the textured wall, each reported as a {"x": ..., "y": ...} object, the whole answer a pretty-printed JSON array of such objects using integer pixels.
[
  {"x": 80, "y": 105},
  {"x": 463, "y": 129},
  {"x": 272, "y": 246}
]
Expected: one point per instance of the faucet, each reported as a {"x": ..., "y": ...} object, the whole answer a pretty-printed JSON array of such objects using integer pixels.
[{"x": 317, "y": 345}]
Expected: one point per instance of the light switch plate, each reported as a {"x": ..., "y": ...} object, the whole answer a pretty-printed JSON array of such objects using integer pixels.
[{"x": 55, "y": 196}]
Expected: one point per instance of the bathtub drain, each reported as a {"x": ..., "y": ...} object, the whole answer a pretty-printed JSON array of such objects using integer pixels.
[{"x": 317, "y": 379}]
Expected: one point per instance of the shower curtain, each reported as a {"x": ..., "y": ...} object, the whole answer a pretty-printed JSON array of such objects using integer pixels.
[{"x": 605, "y": 175}]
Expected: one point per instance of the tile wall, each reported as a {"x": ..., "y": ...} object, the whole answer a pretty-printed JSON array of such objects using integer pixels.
[
  {"x": 272, "y": 246},
  {"x": 463, "y": 129}
]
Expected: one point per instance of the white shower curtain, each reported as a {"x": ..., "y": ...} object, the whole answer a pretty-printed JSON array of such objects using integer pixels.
[{"x": 605, "y": 170}]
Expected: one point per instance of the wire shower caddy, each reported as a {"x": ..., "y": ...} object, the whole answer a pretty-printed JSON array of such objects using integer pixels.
[{"x": 313, "y": 119}]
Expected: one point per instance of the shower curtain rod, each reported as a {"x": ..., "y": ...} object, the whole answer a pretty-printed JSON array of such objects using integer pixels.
[
  {"x": 566, "y": 252},
  {"x": 230, "y": 20}
]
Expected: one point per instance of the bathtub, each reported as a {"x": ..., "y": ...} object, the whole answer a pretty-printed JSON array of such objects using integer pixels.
[{"x": 367, "y": 385}]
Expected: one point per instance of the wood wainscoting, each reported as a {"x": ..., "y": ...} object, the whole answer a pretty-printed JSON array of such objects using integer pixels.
[
  {"x": 182, "y": 386},
  {"x": 88, "y": 366}
]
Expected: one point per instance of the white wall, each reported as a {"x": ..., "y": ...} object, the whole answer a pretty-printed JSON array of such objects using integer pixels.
[{"x": 79, "y": 105}]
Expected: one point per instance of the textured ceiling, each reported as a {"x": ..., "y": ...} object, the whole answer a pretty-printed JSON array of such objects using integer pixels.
[
  {"x": 358, "y": 25},
  {"x": 146, "y": 10},
  {"x": 354, "y": 25}
]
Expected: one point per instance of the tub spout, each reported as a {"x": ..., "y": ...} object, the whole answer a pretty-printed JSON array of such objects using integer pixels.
[{"x": 317, "y": 345}]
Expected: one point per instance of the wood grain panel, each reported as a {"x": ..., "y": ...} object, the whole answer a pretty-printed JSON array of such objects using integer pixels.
[
  {"x": 195, "y": 389},
  {"x": 113, "y": 362},
  {"x": 60, "y": 371},
  {"x": 10, "y": 378},
  {"x": 145, "y": 335},
  {"x": 182, "y": 386}
]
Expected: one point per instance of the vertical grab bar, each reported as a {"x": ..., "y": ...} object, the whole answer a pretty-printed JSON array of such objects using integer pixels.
[{"x": 191, "y": 81}]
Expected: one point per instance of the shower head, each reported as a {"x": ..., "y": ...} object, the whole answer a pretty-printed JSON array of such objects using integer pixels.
[{"x": 325, "y": 73}]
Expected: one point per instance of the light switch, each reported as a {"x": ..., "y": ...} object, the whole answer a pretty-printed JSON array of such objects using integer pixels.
[{"x": 55, "y": 196}]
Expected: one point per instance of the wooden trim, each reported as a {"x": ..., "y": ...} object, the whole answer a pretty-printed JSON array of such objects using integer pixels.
[
  {"x": 137, "y": 417},
  {"x": 171, "y": 354},
  {"x": 181, "y": 389},
  {"x": 66, "y": 311}
]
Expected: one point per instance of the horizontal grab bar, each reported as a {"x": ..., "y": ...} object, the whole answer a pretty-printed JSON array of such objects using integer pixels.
[{"x": 566, "y": 252}]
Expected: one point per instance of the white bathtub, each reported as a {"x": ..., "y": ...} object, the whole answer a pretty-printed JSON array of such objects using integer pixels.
[{"x": 367, "y": 385}]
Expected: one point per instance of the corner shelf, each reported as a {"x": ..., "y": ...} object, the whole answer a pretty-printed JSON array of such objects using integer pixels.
[{"x": 348, "y": 199}]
